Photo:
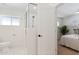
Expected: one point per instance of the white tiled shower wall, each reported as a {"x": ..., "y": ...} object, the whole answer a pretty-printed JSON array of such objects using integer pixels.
[{"x": 14, "y": 34}]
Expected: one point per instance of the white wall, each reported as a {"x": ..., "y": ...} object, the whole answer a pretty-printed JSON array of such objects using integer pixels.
[
  {"x": 16, "y": 34},
  {"x": 72, "y": 22},
  {"x": 60, "y": 20}
]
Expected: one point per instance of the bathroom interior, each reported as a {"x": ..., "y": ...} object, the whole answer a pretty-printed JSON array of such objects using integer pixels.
[
  {"x": 13, "y": 28},
  {"x": 26, "y": 29}
]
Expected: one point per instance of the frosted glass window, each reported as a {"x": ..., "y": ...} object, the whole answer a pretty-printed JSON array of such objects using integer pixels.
[
  {"x": 9, "y": 20},
  {"x": 15, "y": 21},
  {"x": 5, "y": 20}
]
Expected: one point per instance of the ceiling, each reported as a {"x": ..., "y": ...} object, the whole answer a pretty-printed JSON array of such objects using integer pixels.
[{"x": 66, "y": 9}]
